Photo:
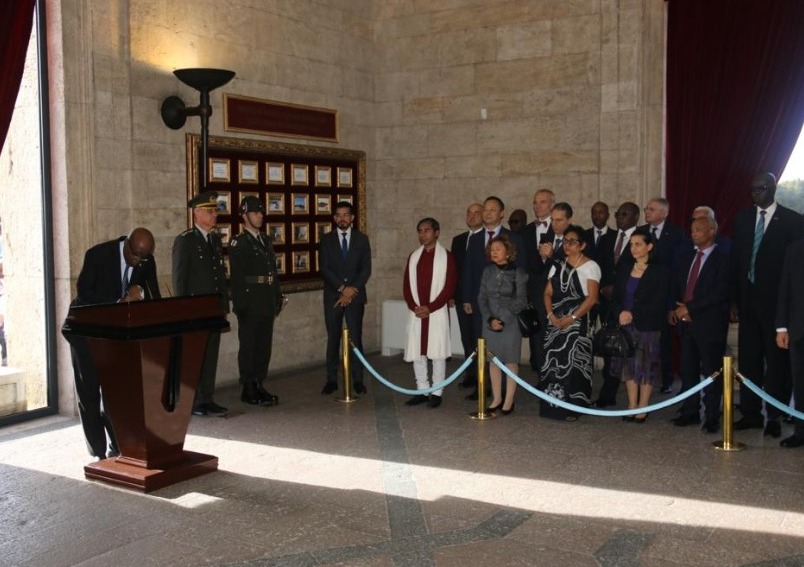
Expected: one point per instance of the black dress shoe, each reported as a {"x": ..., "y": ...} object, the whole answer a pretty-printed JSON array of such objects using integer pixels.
[
  {"x": 215, "y": 409},
  {"x": 745, "y": 423},
  {"x": 792, "y": 442},
  {"x": 508, "y": 411},
  {"x": 684, "y": 420},
  {"x": 666, "y": 389},
  {"x": 773, "y": 428},
  {"x": 360, "y": 388},
  {"x": 200, "y": 409},
  {"x": 711, "y": 426},
  {"x": 434, "y": 401},
  {"x": 416, "y": 400},
  {"x": 250, "y": 394},
  {"x": 266, "y": 397},
  {"x": 329, "y": 387}
]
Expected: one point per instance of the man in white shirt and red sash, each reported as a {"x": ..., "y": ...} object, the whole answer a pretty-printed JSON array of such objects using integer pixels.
[{"x": 429, "y": 283}]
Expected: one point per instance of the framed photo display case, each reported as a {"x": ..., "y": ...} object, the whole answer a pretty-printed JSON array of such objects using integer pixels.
[{"x": 298, "y": 186}]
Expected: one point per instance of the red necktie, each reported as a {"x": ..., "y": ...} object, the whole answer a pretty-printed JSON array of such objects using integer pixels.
[
  {"x": 491, "y": 235},
  {"x": 693, "y": 277}
]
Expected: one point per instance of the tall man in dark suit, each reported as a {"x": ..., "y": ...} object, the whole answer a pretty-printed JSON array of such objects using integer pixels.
[
  {"x": 533, "y": 234},
  {"x": 345, "y": 257},
  {"x": 761, "y": 237},
  {"x": 600, "y": 228},
  {"x": 198, "y": 270},
  {"x": 476, "y": 261},
  {"x": 474, "y": 222},
  {"x": 667, "y": 240},
  {"x": 614, "y": 253},
  {"x": 256, "y": 301},
  {"x": 700, "y": 294},
  {"x": 790, "y": 330},
  {"x": 119, "y": 270}
]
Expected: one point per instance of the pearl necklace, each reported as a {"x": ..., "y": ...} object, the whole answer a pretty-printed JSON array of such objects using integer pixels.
[{"x": 565, "y": 285}]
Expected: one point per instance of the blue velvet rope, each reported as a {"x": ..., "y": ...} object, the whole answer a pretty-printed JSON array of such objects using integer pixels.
[
  {"x": 454, "y": 376},
  {"x": 768, "y": 399},
  {"x": 604, "y": 413}
]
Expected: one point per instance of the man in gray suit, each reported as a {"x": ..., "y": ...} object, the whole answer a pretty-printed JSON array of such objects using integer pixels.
[
  {"x": 198, "y": 270},
  {"x": 345, "y": 265}
]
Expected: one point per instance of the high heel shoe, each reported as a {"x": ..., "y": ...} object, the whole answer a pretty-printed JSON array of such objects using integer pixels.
[
  {"x": 495, "y": 408},
  {"x": 508, "y": 411},
  {"x": 641, "y": 419}
]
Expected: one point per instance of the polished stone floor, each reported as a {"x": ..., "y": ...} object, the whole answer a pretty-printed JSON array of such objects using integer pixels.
[{"x": 378, "y": 483}]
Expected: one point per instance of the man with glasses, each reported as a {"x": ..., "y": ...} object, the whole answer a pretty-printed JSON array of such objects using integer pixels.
[
  {"x": 198, "y": 270},
  {"x": 119, "y": 270},
  {"x": 761, "y": 237}
]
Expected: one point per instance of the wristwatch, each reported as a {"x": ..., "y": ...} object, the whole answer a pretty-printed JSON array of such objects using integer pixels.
[{"x": 574, "y": 318}]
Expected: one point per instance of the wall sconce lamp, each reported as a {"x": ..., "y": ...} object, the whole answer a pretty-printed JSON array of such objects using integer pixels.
[{"x": 175, "y": 113}]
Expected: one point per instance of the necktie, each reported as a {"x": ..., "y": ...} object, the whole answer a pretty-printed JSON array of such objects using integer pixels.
[
  {"x": 557, "y": 245},
  {"x": 653, "y": 234},
  {"x": 491, "y": 235},
  {"x": 759, "y": 232},
  {"x": 689, "y": 291},
  {"x": 209, "y": 241},
  {"x": 126, "y": 277},
  {"x": 599, "y": 234},
  {"x": 541, "y": 223},
  {"x": 618, "y": 250},
  {"x": 344, "y": 246}
]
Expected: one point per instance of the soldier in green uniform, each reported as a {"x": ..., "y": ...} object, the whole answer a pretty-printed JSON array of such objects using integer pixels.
[
  {"x": 256, "y": 299},
  {"x": 198, "y": 270}
]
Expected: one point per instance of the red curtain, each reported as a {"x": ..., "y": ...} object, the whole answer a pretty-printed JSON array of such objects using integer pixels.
[
  {"x": 735, "y": 99},
  {"x": 16, "y": 19}
]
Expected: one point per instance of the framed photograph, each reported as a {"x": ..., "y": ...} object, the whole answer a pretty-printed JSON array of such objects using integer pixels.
[
  {"x": 275, "y": 203},
  {"x": 322, "y": 228},
  {"x": 344, "y": 177},
  {"x": 323, "y": 204},
  {"x": 225, "y": 230},
  {"x": 323, "y": 176},
  {"x": 219, "y": 170},
  {"x": 347, "y": 198},
  {"x": 301, "y": 203},
  {"x": 301, "y": 262},
  {"x": 299, "y": 174},
  {"x": 224, "y": 202},
  {"x": 280, "y": 264},
  {"x": 275, "y": 173},
  {"x": 301, "y": 233},
  {"x": 249, "y": 171},
  {"x": 276, "y": 230}
]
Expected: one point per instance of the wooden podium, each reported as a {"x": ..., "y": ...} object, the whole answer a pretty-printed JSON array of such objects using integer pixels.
[{"x": 148, "y": 357}]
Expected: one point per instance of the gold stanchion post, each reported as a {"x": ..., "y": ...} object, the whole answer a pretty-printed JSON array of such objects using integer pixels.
[
  {"x": 728, "y": 443},
  {"x": 481, "y": 413},
  {"x": 347, "y": 370}
]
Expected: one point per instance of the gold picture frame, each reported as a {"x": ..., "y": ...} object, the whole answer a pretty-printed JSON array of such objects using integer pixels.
[
  {"x": 274, "y": 173},
  {"x": 299, "y": 174},
  {"x": 301, "y": 233},
  {"x": 323, "y": 176},
  {"x": 276, "y": 230},
  {"x": 219, "y": 170},
  {"x": 322, "y": 228},
  {"x": 248, "y": 171},
  {"x": 275, "y": 203},
  {"x": 224, "y": 202},
  {"x": 344, "y": 177},
  {"x": 300, "y": 203},
  {"x": 301, "y": 262}
]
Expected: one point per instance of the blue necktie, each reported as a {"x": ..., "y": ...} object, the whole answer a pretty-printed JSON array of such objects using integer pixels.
[
  {"x": 344, "y": 246},
  {"x": 759, "y": 232},
  {"x": 126, "y": 276}
]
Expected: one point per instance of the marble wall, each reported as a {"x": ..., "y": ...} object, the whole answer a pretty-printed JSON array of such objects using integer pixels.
[{"x": 452, "y": 100}]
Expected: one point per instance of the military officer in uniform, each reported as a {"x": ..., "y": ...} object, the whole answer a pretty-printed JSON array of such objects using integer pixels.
[
  {"x": 256, "y": 299},
  {"x": 198, "y": 270}
]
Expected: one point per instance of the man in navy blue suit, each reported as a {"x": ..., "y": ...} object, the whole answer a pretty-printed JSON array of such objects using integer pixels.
[
  {"x": 345, "y": 257},
  {"x": 762, "y": 235},
  {"x": 119, "y": 270},
  {"x": 700, "y": 294}
]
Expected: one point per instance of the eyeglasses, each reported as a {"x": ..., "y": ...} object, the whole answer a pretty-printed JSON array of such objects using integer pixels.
[
  {"x": 759, "y": 188},
  {"x": 572, "y": 241}
]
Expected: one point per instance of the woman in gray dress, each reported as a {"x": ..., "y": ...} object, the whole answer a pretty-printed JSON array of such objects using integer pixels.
[{"x": 502, "y": 296}]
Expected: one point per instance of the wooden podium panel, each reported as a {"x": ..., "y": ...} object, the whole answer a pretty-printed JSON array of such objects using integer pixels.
[{"x": 148, "y": 357}]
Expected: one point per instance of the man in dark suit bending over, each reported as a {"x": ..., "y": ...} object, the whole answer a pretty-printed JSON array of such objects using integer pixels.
[
  {"x": 345, "y": 257},
  {"x": 762, "y": 235},
  {"x": 119, "y": 270}
]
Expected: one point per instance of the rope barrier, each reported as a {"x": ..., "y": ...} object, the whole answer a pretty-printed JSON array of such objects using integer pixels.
[
  {"x": 768, "y": 399},
  {"x": 605, "y": 413},
  {"x": 447, "y": 381}
]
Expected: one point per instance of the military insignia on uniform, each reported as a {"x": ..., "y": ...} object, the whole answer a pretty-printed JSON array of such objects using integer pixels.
[{"x": 233, "y": 242}]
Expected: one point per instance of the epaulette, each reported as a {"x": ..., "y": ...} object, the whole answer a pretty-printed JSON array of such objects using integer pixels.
[
  {"x": 233, "y": 240},
  {"x": 187, "y": 232}
]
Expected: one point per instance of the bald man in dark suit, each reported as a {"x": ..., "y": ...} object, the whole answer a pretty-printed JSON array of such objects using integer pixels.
[{"x": 762, "y": 235}]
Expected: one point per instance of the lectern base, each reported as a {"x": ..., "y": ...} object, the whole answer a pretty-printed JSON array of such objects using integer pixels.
[{"x": 114, "y": 471}]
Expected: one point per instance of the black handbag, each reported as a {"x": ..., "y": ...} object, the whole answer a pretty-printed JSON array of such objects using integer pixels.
[
  {"x": 613, "y": 341},
  {"x": 529, "y": 321}
]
